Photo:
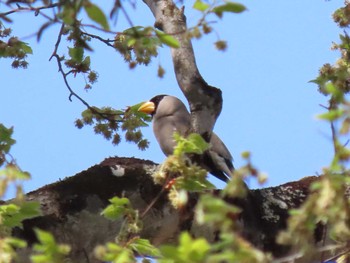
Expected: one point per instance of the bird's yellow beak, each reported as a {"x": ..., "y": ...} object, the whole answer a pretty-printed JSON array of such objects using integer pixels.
[{"x": 148, "y": 107}]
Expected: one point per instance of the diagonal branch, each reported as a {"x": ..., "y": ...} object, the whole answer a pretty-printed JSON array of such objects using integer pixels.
[
  {"x": 30, "y": 8},
  {"x": 65, "y": 74},
  {"x": 205, "y": 101}
]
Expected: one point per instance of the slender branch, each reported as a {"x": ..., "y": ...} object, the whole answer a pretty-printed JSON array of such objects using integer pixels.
[
  {"x": 106, "y": 41},
  {"x": 65, "y": 74},
  {"x": 299, "y": 255},
  {"x": 334, "y": 137},
  {"x": 333, "y": 106},
  {"x": 127, "y": 16},
  {"x": 99, "y": 28},
  {"x": 60, "y": 69},
  {"x": 30, "y": 8}
]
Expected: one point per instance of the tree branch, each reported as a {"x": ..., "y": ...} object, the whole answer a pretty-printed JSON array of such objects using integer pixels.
[
  {"x": 71, "y": 211},
  {"x": 205, "y": 101},
  {"x": 65, "y": 74},
  {"x": 30, "y": 8}
]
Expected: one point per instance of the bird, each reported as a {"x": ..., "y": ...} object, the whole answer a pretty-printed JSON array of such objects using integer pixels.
[{"x": 169, "y": 114}]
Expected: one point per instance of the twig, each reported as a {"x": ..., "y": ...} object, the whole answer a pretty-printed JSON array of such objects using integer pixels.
[
  {"x": 334, "y": 133},
  {"x": 164, "y": 187},
  {"x": 299, "y": 255},
  {"x": 30, "y": 8},
  {"x": 153, "y": 201},
  {"x": 99, "y": 28},
  {"x": 337, "y": 256},
  {"x": 106, "y": 41},
  {"x": 65, "y": 74},
  {"x": 127, "y": 16},
  {"x": 60, "y": 69}
]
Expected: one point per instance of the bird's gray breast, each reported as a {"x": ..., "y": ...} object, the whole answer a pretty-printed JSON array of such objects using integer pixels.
[{"x": 165, "y": 127}]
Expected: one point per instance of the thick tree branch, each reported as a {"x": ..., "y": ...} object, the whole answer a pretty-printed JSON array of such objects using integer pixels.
[
  {"x": 71, "y": 211},
  {"x": 205, "y": 101}
]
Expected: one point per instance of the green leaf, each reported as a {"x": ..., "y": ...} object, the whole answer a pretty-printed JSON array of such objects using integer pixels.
[
  {"x": 131, "y": 42},
  {"x": 117, "y": 208},
  {"x": 135, "y": 110},
  {"x": 337, "y": 94},
  {"x": 68, "y": 14},
  {"x": 198, "y": 141},
  {"x": 12, "y": 215},
  {"x": 135, "y": 31},
  {"x": 76, "y": 53},
  {"x": 47, "y": 248},
  {"x": 44, "y": 238},
  {"x": 86, "y": 61},
  {"x": 26, "y": 49},
  {"x": 193, "y": 185},
  {"x": 13, "y": 173},
  {"x": 5, "y": 138},
  {"x": 96, "y": 14},
  {"x": 200, "y": 6},
  {"x": 332, "y": 115},
  {"x": 112, "y": 252},
  {"x": 214, "y": 210},
  {"x": 189, "y": 250},
  {"x": 194, "y": 143},
  {"x": 167, "y": 39},
  {"x": 16, "y": 242},
  {"x": 144, "y": 247},
  {"x": 229, "y": 7}
]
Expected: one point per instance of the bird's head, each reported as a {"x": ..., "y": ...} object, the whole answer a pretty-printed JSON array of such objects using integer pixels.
[{"x": 150, "y": 107}]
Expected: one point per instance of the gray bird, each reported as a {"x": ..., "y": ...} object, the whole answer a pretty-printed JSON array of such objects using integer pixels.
[{"x": 170, "y": 115}]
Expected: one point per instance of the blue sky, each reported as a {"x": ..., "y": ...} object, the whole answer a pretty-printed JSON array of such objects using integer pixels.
[{"x": 275, "y": 48}]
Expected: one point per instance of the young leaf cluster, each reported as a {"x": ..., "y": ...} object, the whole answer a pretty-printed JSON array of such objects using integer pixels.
[
  {"x": 213, "y": 211},
  {"x": 217, "y": 8},
  {"x": 12, "y": 47},
  {"x": 12, "y": 213},
  {"x": 328, "y": 204},
  {"x": 6, "y": 141},
  {"x": 186, "y": 174},
  {"x": 127, "y": 243},
  {"x": 47, "y": 249},
  {"x": 132, "y": 122},
  {"x": 80, "y": 20},
  {"x": 137, "y": 45},
  {"x": 108, "y": 122}
]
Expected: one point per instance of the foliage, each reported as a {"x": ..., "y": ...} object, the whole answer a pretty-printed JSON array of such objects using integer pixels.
[
  {"x": 5, "y": 142},
  {"x": 188, "y": 250},
  {"x": 328, "y": 203},
  {"x": 137, "y": 45},
  {"x": 178, "y": 174},
  {"x": 47, "y": 250},
  {"x": 127, "y": 242},
  {"x": 13, "y": 212},
  {"x": 12, "y": 47},
  {"x": 211, "y": 210},
  {"x": 107, "y": 121},
  {"x": 8, "y": 246}
]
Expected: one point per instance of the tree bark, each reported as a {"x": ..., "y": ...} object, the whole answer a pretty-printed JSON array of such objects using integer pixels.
[
  {"x": 71, "y": 210},
  {"x": 205, "y": 101}
]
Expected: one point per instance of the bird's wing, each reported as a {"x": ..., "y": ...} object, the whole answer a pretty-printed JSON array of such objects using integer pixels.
[
  {"x": 220, "y": 157},
  {"x": 219, "y": 147}
]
